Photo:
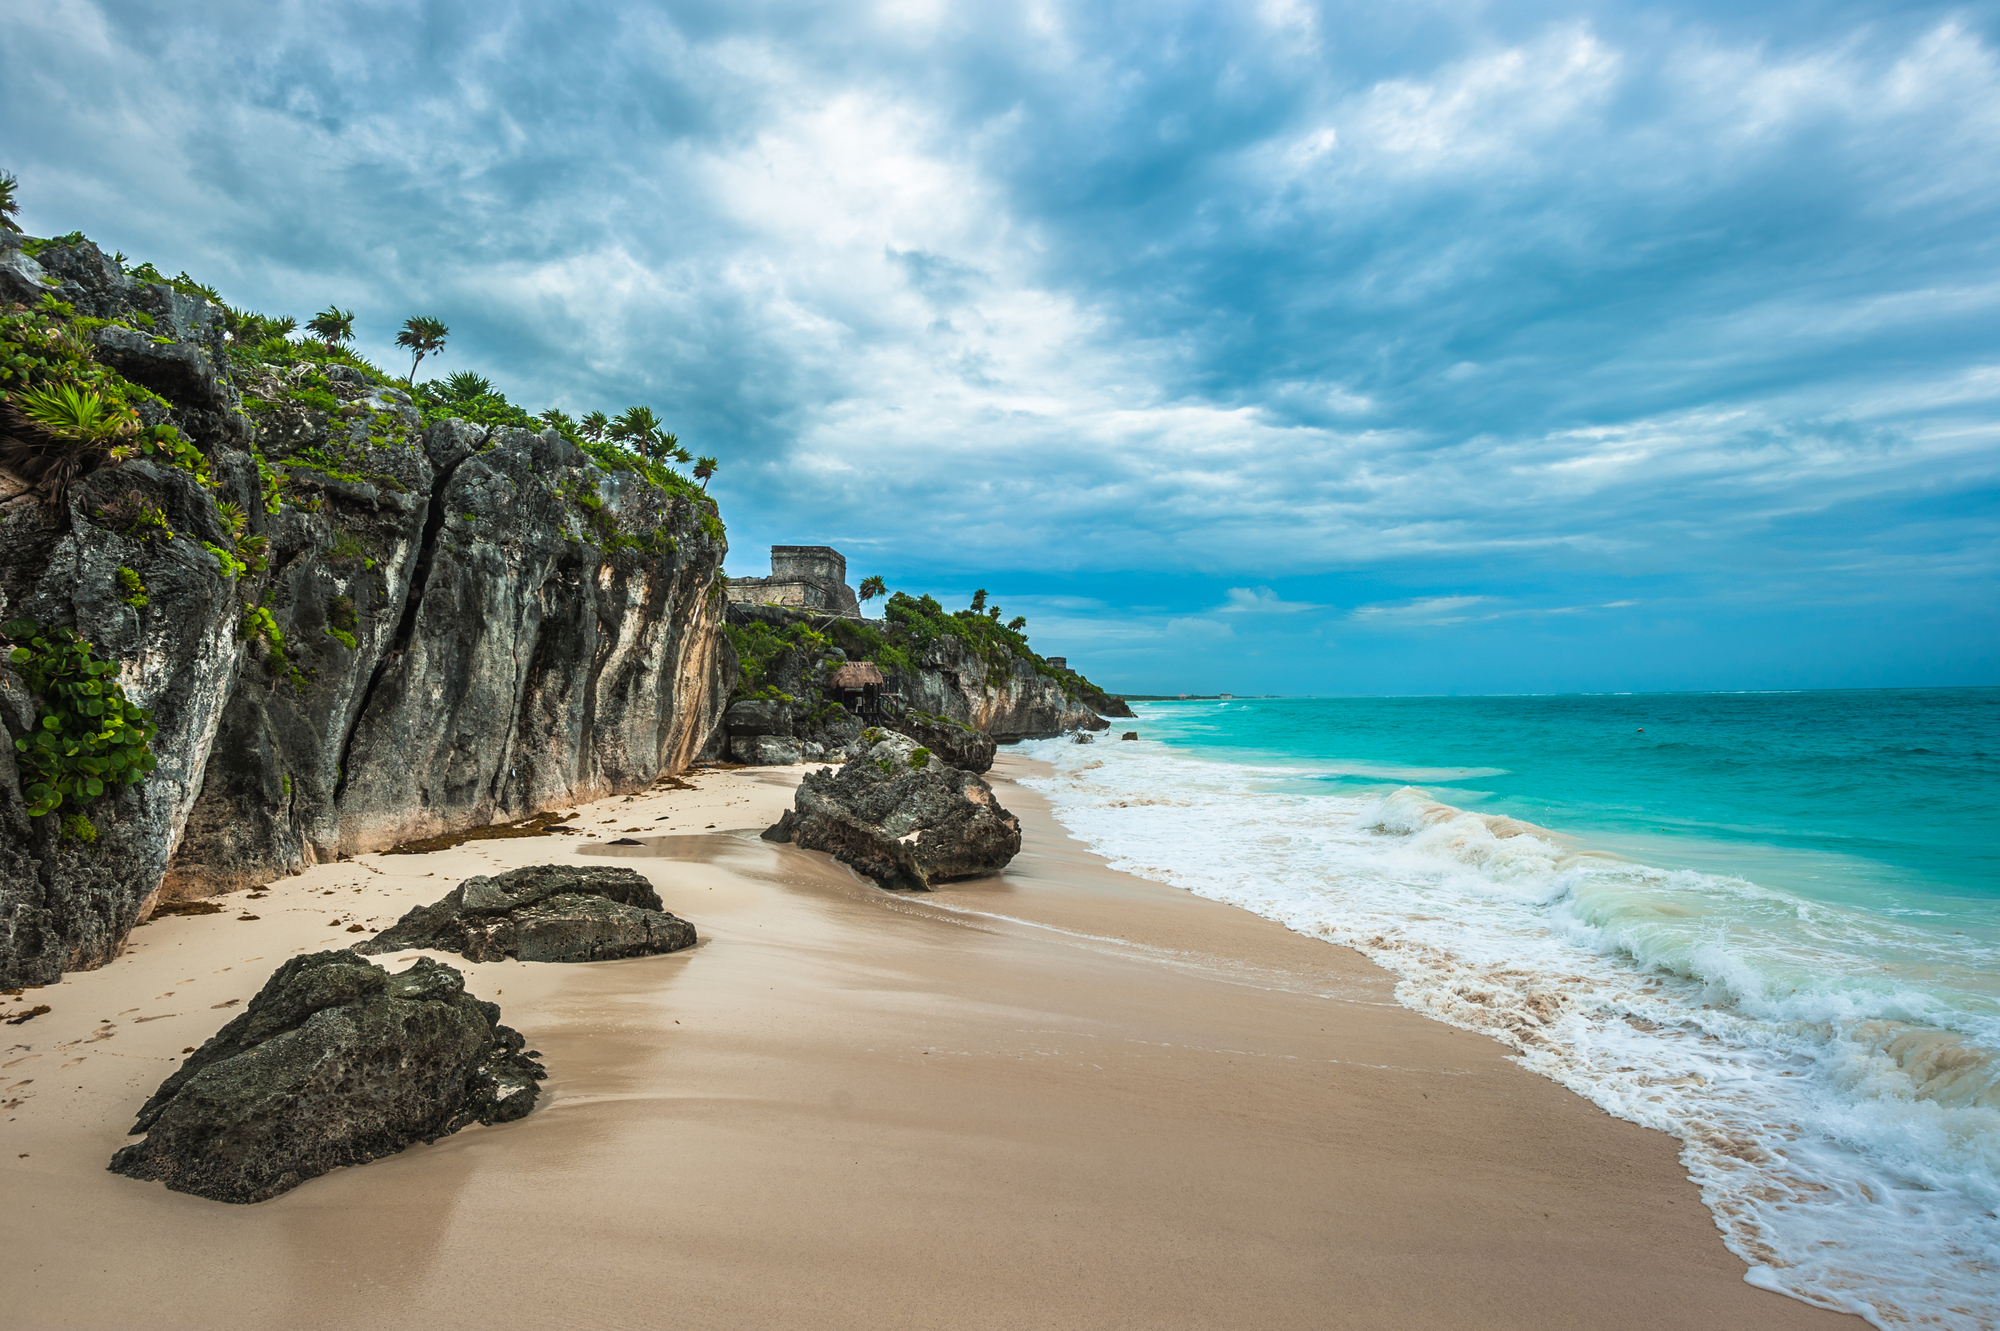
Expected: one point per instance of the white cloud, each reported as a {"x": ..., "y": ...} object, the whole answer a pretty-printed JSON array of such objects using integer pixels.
[{"x": 1261, "y": 601}]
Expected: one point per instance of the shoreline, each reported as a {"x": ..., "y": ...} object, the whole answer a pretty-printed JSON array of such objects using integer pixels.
[{"x": 1061, "y": 1096}]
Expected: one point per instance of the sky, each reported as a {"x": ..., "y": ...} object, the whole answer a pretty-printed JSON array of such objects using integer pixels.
[{"x": 1252, "y": 347}]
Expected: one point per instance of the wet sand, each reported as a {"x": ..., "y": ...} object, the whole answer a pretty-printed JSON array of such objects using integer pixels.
[{"x": 1062, "y": 1097}]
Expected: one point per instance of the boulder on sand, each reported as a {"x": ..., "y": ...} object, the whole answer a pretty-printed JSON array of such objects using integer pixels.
[
  {"x": 545, "y": 912},
  {"x": 335, "y": 1062},
  {"x": 960, "y": 745},
  {"x": 903, "y": 817}
]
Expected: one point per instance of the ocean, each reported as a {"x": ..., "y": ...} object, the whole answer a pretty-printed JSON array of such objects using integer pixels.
[{"x": 1767, "y": 923}]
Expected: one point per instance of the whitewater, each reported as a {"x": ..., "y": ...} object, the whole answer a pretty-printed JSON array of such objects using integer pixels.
[{"x": 1818, "y": 1027}]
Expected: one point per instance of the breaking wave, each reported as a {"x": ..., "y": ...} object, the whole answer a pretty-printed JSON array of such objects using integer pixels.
[{"x": 1831, "y": 1074}]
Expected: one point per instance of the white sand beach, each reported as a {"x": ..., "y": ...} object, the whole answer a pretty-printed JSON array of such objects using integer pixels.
[{"x": 1060, "y": 1097}]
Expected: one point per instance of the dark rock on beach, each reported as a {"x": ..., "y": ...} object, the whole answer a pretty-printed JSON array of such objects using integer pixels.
[
  {"x": 545, "y": 912},
  {"x": 335, "y": 1062},
  {"x": 902, "y": 816},
  {"x": 958, "y": 744}
]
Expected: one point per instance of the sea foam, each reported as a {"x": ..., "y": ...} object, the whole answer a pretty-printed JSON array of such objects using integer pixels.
[{"x": 1830, "y": 1074}]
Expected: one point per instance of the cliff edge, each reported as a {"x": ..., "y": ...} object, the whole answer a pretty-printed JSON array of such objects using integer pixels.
[{"x": 351, "y": 625}]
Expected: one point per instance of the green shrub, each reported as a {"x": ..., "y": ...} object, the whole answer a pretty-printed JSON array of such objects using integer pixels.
[
  {"x": 134, "y": 588},
  {"x": 232, "y": 567},
  {"x": 132, "y": 516},
  {"x": 346, "y": 547},
  {"x": 257, "y": 624},
  {"x": 88, "y": 737},
  {"x": 920, "y": 758}
]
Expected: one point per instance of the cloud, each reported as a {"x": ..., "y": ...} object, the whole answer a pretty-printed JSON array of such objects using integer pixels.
[
  {"x": 1490, "y": 301},
  {"x": 1423, "y": 610},
  {"x": 1197, "y": 627},
  {"x": 1430, "y": 611},
  {"x": 1261, "y": 601}
]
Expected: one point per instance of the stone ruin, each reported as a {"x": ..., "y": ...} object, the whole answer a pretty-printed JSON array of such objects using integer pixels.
[{"x": 804, "y": 577}]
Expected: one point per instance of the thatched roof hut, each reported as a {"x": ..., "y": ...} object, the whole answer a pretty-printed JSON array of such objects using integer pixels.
[{"x": 855, "y": 675}]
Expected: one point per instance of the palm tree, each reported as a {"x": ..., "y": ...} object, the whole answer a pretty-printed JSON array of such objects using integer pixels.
[
  {"x": 593, "y": 426},
  {"x": 637, "y": 428},
  {"x": 558, "y": 420},
  {"x": 422, "y": 335},
  {"x": 979, "y": 599},
  {"x": 704, "y": 468},
  {"x": 332, "y": 326},
  {"x": 872, "y": 588},
  {"x": 8, "y": 207},
  {"x": 1017, "y": 623}
]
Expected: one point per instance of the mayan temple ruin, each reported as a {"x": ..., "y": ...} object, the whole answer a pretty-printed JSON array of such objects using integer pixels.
[{"x": 808, "y": 577}]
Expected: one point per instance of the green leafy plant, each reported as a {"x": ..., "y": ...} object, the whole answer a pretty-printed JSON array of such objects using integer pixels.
[
  {"x": 258, "y": 625},
  {"x": 341, "y": 621},
  {"x": 465, "y": 385},
  {"x": 88, "y": 736},
  {"x": 133, "y": 586},
  {"x": 34, "y": 247},
  {"x": 53, "y": 435},
  {"x": 8, "y": 205},
  {"x": 136, "y": 518},
  {"x": 920, "y": 758},
  {"x": 232, "y": 567},
  {"x": 332, "y": 326}
]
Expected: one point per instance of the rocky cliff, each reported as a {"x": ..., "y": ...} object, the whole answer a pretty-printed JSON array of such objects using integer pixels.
[
  {"x": 351, "y": 628},
  {"x": 941, "y": 673}
]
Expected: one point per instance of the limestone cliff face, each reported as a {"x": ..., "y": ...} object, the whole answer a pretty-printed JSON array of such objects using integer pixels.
[
  {"x": 1006, "y": 699},
  {"x": 1009, "y": 702},
  {"x": 456, "y": 626}
]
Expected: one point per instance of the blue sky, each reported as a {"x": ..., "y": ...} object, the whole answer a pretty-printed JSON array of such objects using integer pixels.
[{"x": 1258, "y": 347}]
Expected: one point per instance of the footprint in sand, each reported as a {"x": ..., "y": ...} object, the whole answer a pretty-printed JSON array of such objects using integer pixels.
[
  {"x": 72, "y": 1063},
  {"x": 232, "y": 1002},
  {"x": 161, "y": 1017},
  {"x": 23, "y": 1059}
]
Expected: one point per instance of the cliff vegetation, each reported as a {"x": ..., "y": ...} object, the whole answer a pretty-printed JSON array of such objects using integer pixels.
[{"x": 266, "y": 602}]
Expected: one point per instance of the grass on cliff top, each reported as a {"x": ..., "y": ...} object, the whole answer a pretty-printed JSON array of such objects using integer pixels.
[
  {"x": 275, "y": 343},
  {"x": 913, "y": 623}
]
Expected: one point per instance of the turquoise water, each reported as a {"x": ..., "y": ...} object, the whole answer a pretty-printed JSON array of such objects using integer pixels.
[
  {"x": 1888, "y": 799},
  {"x": 1768, "y": 923}
]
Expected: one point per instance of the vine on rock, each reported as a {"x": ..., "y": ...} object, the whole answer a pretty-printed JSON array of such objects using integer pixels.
[{"x": 88, "y": 738}]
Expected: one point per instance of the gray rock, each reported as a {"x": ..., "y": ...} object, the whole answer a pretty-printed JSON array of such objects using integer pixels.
[
  {"x": 21, "y": 278},
  {"x": 765, "y": 750},
  {"x": 956, "y": 743},
  {"x": 902, "y": 821},
  {"x": 1130, "y": 734},
  {"x": 546, "y": 912},
  {"x": 177, "y": 370},
  {"x": 758, "y": 716},
  {"x": 1010, "y": 702},
  {"x": 335, "y": 1062}
]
